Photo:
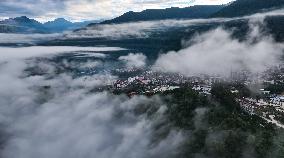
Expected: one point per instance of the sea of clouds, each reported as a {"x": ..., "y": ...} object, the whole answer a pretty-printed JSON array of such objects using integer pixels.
[
  {"x": 216, "y": 52},
  {"x": 43, "y": 116}
]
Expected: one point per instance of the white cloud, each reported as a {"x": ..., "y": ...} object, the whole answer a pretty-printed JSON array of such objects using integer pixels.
[
  {"x": 27, "y": 52},
  {"x": 136, "y": 29},
  {"x": 216, "y": 53},
  {"x": 26, "y": 38},
  {"x": 146, "y": 28},
  {"x": 66, "y": 120},
  {"x": 134, "y": 60}
]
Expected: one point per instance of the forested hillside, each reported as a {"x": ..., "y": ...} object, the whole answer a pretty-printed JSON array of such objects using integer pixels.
[{"x": 246, "y": 7}]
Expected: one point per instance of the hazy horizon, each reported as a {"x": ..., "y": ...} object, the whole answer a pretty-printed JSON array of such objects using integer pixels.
[{"x": 85, "y": 10}]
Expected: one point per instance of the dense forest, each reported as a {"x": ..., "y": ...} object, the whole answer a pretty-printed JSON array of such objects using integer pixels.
[
  {"x": 216, "y": 126},
  {"x": 246, "y": 7}
]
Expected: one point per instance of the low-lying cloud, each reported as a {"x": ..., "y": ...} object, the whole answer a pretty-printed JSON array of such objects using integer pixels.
[
  {"x": 217, "y": 53},
  {"x": 134, "y": 60},
  {"x": 27, "y": 38},
  {"x": 141, "y": 29},
  {"x": 58, "y": 116},
  {"x": 26, "y": 52},
  {"x": 145, "y": 29}
]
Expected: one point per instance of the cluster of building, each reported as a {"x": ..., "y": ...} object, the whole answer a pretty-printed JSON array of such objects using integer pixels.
[
  {"x": 270, "y": 110},
  {"x": 151, "y": 82},
  {"x": 270, "y": 107},
  {"x": 203, "y": 89}
]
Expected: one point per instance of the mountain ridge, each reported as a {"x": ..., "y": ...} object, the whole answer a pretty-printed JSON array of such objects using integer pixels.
[
  {"x": 247, "y": 7},
  {"x": 23, "y": 24},
  {"x": 193, "y": 12}
]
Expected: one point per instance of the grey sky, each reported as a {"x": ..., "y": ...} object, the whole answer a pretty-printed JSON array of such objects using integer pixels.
[{"x": 77, "y": 10}]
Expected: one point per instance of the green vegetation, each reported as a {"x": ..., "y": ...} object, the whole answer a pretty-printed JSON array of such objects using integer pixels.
[
  {"x": 246, "y": 7},
  {"x": 182, "y": 105},
  {"x": 275, "y": 88},
  {"x": 217, "y": 127}
]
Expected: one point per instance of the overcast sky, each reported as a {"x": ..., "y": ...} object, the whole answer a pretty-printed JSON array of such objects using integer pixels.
[{"x": 78, "y": 10}]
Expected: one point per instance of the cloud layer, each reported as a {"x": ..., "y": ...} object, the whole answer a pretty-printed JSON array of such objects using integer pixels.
[
  {"x": 136, "y": 29},
  {"x": 58, "y": 117},
  {"x": 217, "y": 53},
  {"x": 145, "y": 29},
  {"x": 134, "y": 60},
  {"x": 27, "y": 52}
]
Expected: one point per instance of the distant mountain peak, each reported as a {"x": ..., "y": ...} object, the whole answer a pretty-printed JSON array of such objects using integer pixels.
[
  {"x": 23, "y": 24},
  {"x": 61, "y": 20},
  {"x": 58, "y": 23},
  {"x": 22, "y": 18}
]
